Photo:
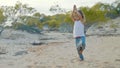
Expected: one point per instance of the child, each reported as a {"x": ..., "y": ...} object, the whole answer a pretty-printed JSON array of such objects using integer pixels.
[{"x": 78, "y": 31}]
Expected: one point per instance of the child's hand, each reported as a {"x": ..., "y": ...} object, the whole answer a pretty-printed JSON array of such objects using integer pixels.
[{"x": 74, "y": 6}]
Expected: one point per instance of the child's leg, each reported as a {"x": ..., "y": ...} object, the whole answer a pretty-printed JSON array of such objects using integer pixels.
[
  {"x": 81, "y": 55},
  {"x": 82, "y": 48},
  {"x": 79, "y": 47},
  {"x": 78, "y": 39}
]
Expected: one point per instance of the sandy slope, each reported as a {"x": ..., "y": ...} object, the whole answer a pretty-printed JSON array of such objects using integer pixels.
[{"x": 101, "y": 52}]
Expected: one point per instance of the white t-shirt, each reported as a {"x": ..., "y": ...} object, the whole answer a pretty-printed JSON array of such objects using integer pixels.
[{"x": 78, "y": 29}]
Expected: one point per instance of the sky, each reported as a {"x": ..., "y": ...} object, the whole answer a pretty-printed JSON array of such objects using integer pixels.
[{"x": 43, "y": 6}]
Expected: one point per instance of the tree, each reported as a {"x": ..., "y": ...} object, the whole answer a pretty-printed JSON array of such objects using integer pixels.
[
  {"x": 13, "y": 14},
  {"x": 21, "y": 16},
  {"x": 68, "y": 19},
  {"x": 56, "y": 9},
  {"x": 116, "y": 4},
  {"x": 2, "y": 17},
  {"x": 37, "y": 14},
  {"x": 53, "y": 24}
]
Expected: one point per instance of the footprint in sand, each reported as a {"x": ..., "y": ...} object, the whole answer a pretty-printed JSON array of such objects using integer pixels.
[
  {"x": 117, "y": 60},
  {"x": 75, "y": 60},
  {"x": 40, "y": 67},
  {"x": 59, "y": 67},
  {"x": 106, "y": 62}
]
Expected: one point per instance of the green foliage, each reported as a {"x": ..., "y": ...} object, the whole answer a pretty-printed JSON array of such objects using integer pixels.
[
  {"x": 37, "y": 14},
  {"x": 114, "y": 26},
  {"x": 17, "y": 5},
  {"x": 54, "y": 21},
  {"x": 2, "y": 17},
  {"x": 16, "y": 25},
  {"x": 97, "y": 13},
  {"x": 27, "y": 28},
  {"x": 56, "y": 9},
  {"x": 68, "y": 18},
  {"x": 100, "y": 12},
  {"x": 31, "y": 21},
  {"x": 94, "y": 14},
  {"x": 53, "y": 24}
]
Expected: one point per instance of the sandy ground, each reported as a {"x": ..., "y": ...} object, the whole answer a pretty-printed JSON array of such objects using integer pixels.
[{"x": 101, "y": 52}]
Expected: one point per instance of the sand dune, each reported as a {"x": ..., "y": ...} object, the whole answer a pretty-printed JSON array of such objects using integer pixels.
[{"x": 101, "y": 52}]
